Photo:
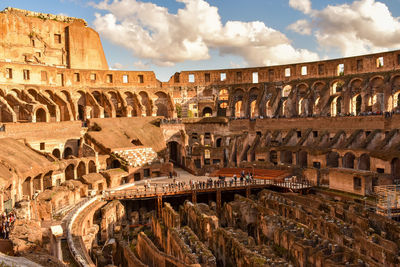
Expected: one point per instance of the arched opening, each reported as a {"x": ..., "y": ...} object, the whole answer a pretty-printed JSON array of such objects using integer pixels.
[
  {"x": 26, "y": 187},
  {"x": 273, "y": 157},
  {"x": 286, "y": 90},
  {"x": 81, "y": 170},
  {"x": 47, "y": 181},
  {"x": 238, "y": 109},
  {"x": 56, "y": 153},
  {"x": 395, "y": 168},
  {"x": 115, "y": 164},
  {"x": 336, "y": 106},
  {"x": 332, "y": 160},
  {"x": 70, "y": 172},
  {"x": 284, "y": 110},
  {"x": 145, "y": 101},
  {"x": 218, "y": 142},
  {"x": 348, "y": 160},
  {"x": 253, "y": 112},
  {"x": 303, "y": 159},
  {"x": 207, "y": 112},
  {"x": 40, "y": 115},
  {"x": 286, "y": 157},
  {"x": 67, "y": 153},
  {"x": 355, "y": 104},
  {"x": 37, "y": 183},
  {"x": 92, "y": 167},
  {"x": 81, "y": 106},
  {"x": 162, "y": 104},
  {"x": 364, "y": 162},
  {"x": 222, "y": 102},
  {"x": 173, "y": 152}
]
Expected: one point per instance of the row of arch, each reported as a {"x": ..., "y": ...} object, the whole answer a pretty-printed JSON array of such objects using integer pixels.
[
  {"x": 349, "y": 161},
  {"x": 305, "y": 100},
  {"x": 42, "y": 182},
  {"x": 44, "y": 106}
]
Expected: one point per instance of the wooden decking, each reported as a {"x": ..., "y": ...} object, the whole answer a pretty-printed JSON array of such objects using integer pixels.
[{"x": 137, "y": 193}]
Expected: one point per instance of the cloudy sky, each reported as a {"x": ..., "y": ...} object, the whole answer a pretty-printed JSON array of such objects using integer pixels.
[{"x": 167, "y": 36}]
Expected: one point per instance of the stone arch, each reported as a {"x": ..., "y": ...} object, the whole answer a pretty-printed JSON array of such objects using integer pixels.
[
  {"x": 65, "y": 96},
  {"x": 68, "y": 152},
  {"x": 223, "y": 98},
  {"x": 218, "y": 142},
  {"x": 336, "y": 86},
  {"x": 273, "y": 157},
  {"x": 81, "y": 103},
  {"x": 116, "y": 101},
  {"x": 337, "y": 106},
  {"x": 81, "y": 169},
  {"x": 56, "y": 153},
  {"x": 364, "y": 162},
  {"x": 395, "y": 168},
  {"x": 332, "y": 159},
  {"x": 300, "y": 108},
  {"x": 348, "y": 160},
  {"x": 27, "y": 187},
  {"x": 115, "y": 164},
  {"x": 62, "y": 105},
  {"x": 41, "y": 115},
  {"x": 145, "y": 102},
  {"x": 356, "y": 104},
  {"x": 268, "y": 109},
  {"x": 133, "y": 102},
  {"x": 284, "y": 110},
  {"x": 396, "y": 99},
  {"x": 302, "y": 159},
  {"x": 237, "y": 103},
  {"x": 253, "y": 109},
  {"x": 37, "y": 183},
  {"x": 377, "y": 81},
  {"x": 162, "y": 105},
  {"x": 316, "y": 105},
  {"x": 70, "y": 172},
  {"x": 47, "y": 180},
  {"x": 286, "y": 157},
  {"x": 207, "y": 112},
  {"x": 286, "y": 90},
  {"x": 92, "y": 167}
]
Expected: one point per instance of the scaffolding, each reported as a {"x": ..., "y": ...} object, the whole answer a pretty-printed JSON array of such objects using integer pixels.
[{"x": 388, "y": 200}]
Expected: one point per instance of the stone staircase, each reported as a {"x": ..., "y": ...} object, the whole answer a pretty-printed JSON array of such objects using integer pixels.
[{"x": 137, "y": 157}]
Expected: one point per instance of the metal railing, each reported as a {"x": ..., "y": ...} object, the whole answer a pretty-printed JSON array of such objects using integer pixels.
[{"x": 176, "y": 189}]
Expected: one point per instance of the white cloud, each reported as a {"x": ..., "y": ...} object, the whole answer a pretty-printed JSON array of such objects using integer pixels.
[
  {"x": 302, "y": 5},
  {"x": 301, "y": 26},
  {"x": 163, "y": 38},
  {"x": 117, "y": 66},
  {"x": 363, "y": 26},
  {"x": 140, "y": 65}
]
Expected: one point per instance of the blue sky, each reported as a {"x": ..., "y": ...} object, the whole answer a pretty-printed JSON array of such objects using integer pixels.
[{"x": 167, "y": 36}]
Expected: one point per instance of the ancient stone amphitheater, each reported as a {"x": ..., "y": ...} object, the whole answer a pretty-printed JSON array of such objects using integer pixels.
[{"x": 86, "y": 154}]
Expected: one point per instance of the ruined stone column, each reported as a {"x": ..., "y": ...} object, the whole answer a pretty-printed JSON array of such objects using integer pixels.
[{"x": 56, "y": 235}]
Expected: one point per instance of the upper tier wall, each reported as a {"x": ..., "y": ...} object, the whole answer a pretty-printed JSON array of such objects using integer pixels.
[
  {"x": 63, "y": 77},
  {"x": 378, "y": 62}
]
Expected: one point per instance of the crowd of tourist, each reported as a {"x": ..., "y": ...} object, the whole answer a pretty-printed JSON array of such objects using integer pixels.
[{"x": 7, "y": 221}]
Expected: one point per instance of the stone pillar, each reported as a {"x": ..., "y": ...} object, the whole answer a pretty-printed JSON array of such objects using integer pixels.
[
  {"x": 202, "y": 139},
  {"x": 56, "y": 235},
  {"x": 219, "y": 205},
  {"x": 212, "y": 140},
  {"x": 194, "y": 196}
]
